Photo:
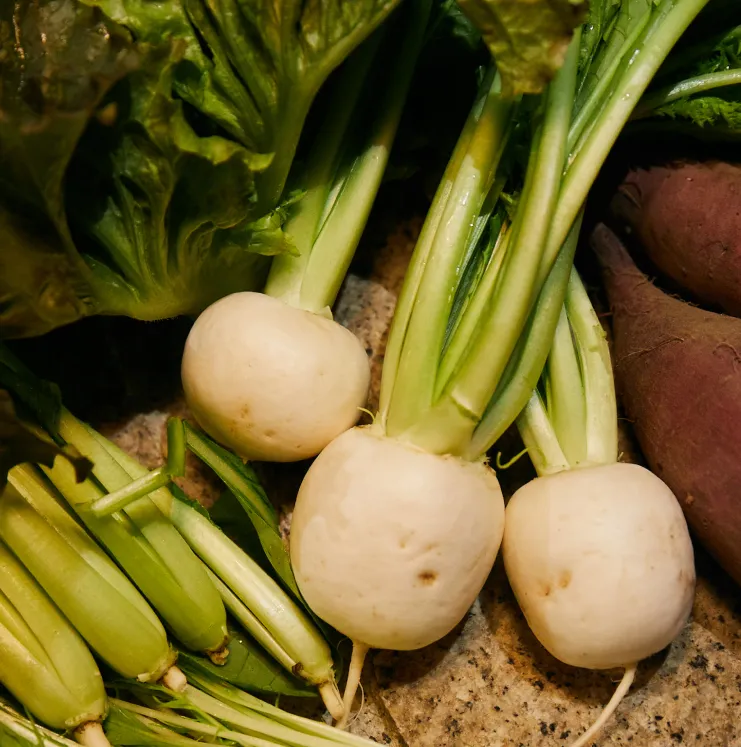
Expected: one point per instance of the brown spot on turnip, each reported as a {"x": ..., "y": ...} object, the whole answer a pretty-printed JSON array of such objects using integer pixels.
[
  {"x": 427, "y": 577},
  {"x": 546, "y": 590},
  {"x": 564, "y": 579}
]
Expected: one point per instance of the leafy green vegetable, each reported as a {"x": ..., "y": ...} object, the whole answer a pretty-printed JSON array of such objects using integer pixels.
[
  {"x": 528, "y": 40},
  {"x": 700, "y": 84},
  {"x": 19, "y": 441},
  {"x": 244, "y": 486},
  {"x": 250, "y": 668},
  {"x": 57, "y": 61},
  {"x": 147, "y": 178},
  {"x": 126, "y": 729}
]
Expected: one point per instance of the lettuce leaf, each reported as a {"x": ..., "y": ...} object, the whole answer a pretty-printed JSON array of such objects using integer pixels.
[
  {"x": 145, "y": 145},
  {"x": 527, "y": 39}
]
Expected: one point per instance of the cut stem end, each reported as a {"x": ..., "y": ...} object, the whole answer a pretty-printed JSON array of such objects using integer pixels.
[
  {"x": 332, "y": 699},
  {"x": 91, "y": 734},
  {"x": 173, "y": 679}
]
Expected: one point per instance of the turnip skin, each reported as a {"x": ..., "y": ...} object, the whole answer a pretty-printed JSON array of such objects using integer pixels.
[
  {"x": 601, "y": 563},
  {"x": 390, "y": 544},
  {"x": 271, "y": 381}
]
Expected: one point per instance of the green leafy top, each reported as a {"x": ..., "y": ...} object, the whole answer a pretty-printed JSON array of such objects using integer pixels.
[
  {"x": 144, "y": 147},
  {"x": 528, "y": 40},
  {"x": 20, "y": 441},
  {"x": 698, "y": 89}
]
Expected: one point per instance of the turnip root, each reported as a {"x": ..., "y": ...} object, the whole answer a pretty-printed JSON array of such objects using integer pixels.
[
  {"x": 390, "y": 544},
  {"x": 597, "y": 552},
  {"x": 679, "y": 372},
  {"x": 601, "y": 563},
  {"x": 688, "y": 218},
  {"x": 272, "y": 381}
]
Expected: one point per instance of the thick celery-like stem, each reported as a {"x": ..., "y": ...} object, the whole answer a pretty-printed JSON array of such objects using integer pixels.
[
  {"x": 540, "y": 439},
  {"x": 586, "y": 341},
  {"x": 286, "y": 271},
  {"x": 288, "y": 625},
  {"x": 524, "y": 371},
  {"x": 451, "y": 421},
  {"x": 73, "y": 570},
  {"x": 146, "y": 545},
  {"x": 639, "y": 65},
  {"x": 343, "y": 176},
  {"x": 565, "y": 394},
  {"x": 487, "y": 106},
  {"x": 599, "y": 384},
  {"x": 418, "y": 332}
]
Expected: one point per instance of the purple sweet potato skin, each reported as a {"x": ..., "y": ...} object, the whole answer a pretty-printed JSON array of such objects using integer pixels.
[
  {"x": 678, "y": 373},
  {"x": 687, "y": 217}
]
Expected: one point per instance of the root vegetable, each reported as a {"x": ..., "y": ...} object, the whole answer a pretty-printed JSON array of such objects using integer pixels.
[
  {"x": 272, "y": 381},
  {"x": 391, "y": 544},
  {"x": 679, "y": 372},
  {"x": 601, "y": 563},
  {"x": 687, "y": 217}
]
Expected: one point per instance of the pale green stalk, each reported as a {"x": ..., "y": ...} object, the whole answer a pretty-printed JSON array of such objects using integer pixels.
[
  {"x": 473, "y": 315},
  {"x": 192, "y": 725},
  {"x": 588, "y": 113},
  {"x": 587, "y": 343},
  {"x": 415, "y": 273},
  {"x": 418, "y": 332},
  {"x": 147, "y": 546},
  {"x": 287, "y": 271},
  {"x": 89, "y": 589},
  {"x": 44, "y": 662},
  {"x": 249, "y": 621},
  {"x": 525, "y": 368},
  {"x": 689, "y": 87},
  {"x": 228, "y": 694},
  {"x": 344, "y": 173},
  {"x": 598, "y": 381},
  {"x": 565, "y": 393},
  {"x": 540, "y": 439},
  {"x": 27, "y": 733},
  {"x": 288, "y": 625},
  {"x": 667, "y": 23}
]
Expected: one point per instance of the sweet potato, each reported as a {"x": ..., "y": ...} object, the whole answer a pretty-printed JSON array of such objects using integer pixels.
[
  {"x": 678, "y": 372},
  {"x": 687, "y": 217}
]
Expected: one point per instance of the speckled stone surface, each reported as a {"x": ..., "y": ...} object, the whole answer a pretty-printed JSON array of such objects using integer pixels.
[{"x": 489, "y": 683}]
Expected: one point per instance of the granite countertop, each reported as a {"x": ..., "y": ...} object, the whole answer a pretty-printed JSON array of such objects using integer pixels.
[{"x": 489, "y": 683}]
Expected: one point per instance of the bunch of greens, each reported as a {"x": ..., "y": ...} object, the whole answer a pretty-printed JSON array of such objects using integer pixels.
[
  {"x": 698, "y": 89},
  {"x": 144, "y": 148}
]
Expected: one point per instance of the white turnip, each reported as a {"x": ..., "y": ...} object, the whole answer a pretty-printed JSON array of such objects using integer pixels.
[
  {"x": 391, "y": 544},
  {"x": 597, "y": 552},
  {"x": 272, "y": 376},
  {"x": 601, "y": 563},
  {"x": 272, "y": 381}
]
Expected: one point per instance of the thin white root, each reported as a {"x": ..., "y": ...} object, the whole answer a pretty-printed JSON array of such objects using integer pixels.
[
  {"x": 359, "y": 652},
  {"x": 609, "y": 709},
  {"x": 332, "y": 699},
  {"x": 173, "y": 679},
  {"x": 91, "y": 734}
]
